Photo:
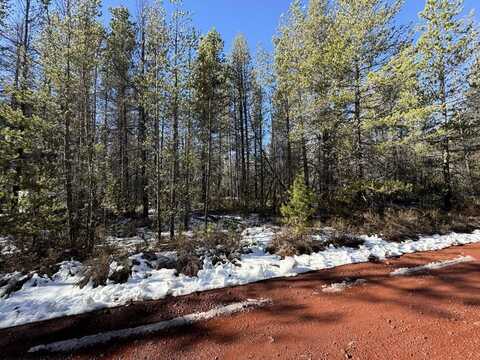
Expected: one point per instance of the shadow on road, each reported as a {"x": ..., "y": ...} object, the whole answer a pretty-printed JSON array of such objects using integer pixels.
[{"x": 424, "y": 295}]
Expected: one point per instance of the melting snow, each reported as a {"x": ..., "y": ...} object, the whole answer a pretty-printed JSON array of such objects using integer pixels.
[
  {"x": 42, "y": 298},
  {"x": 431, "y": 266},
  {"x": 339, "y": 287},
  {"x": 79, "y": 343}
]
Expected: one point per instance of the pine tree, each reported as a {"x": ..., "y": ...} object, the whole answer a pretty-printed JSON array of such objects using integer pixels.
[
  {"x": 181, "y": 35},
  {"x": 70, "y": 52},
  {"x": 397, "y": 120},
  {"x": 241, "y": 77},
  {"x": 100, "y": 120},
  {"x": 119, "y": 51},
  {"x": 265, "y": 87},
  {"x": 208, "y": 83},
  {"x": 88, "y": 37},
  {"x": 468, "y": 127},
  {"x": 299, "y": 209},
  {"x": 141, "y": 92},
  {"x": 321, "y": 72},
  {"x": 369, "y": 37},
  {"x": 27, "y": 214},
  {"x": 446, "y": 47},
  {"x": 58, "y": 57},
  {"x": 289, "y": 61},
  {"x": 154, "y": 100},
  {"x": 3, "y": 11}
]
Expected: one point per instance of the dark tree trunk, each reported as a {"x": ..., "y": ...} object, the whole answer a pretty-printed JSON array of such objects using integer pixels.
[{"x": 142, "y": 136}]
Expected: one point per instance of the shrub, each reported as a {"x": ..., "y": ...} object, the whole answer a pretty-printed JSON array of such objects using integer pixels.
[
  {"x": 219, "y": 246},
  {"x": 471, "y": 208},
  {"x": 290, "y": 243},
  {"x": 124, "y": 228},
  {"x": 299, "y": 209},
  {"x": 44, "y": 263},
  {"x": 122, "y": 272},
  {"x": 11, "y": 284},
  {"x": 188, "y": 264},
  {"x": 97, "y": 270},
  {"x": 409, "y": 224},
  {"x": 398, "y": 225},
  {"x": 373, "y": 193},
  {"x": 339, "y": 239},
  {"x": 188, "y": 257}
]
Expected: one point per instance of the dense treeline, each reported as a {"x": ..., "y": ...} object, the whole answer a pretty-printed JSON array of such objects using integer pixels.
[{"x": 146, "y": 116}]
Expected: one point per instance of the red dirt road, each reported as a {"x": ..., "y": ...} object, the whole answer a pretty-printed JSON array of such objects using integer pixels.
[{"x": 426, "y": 316}]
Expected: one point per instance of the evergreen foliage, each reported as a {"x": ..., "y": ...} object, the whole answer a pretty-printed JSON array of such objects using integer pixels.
[
  {"x": 297, "y": 212},
  {"x": 146, "y": 118}
]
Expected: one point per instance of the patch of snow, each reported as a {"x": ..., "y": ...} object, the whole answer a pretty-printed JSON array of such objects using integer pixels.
[
  {"x": 102, "y": 338},
  {"x": 7, "y": 247},
  {"x": 431, "y": 266},
  {"x": 42, "y": 298},
  {"x": 130, "y": 244},
  {"x": 340, "y": 287},
  {"x": 259, "y": 236}
]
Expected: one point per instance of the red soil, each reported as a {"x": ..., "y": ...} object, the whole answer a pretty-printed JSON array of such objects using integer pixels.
[{"x": 427, "y": 316}]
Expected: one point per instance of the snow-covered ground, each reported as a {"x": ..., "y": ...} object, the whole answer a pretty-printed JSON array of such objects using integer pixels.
[
  {"x": 131, "y": 243},
  {"x": 42, "y": 298},
  {"x": 146, "y": 239}
]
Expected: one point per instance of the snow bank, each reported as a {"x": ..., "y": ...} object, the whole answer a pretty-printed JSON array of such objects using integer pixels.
[
  {"x": 42, "y": 298},
  {"x": 431, "y": 266},
  {"x": 102, "y": 338}
]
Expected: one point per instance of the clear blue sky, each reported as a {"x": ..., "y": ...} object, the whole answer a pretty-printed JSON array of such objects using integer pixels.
[{"x": 258, "y": 19}]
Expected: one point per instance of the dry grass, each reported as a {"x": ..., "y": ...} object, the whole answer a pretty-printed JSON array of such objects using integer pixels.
[
  {"x": 398, "y": 225},
  {"x": 288, "y": 243},
  {"x": 188, "y": 258},
  {"x": 339, "y": 239},
  {"x": 45, "y": 263},
  {"x": 96, "y": 270},
  {"x": 219, "y": 246}
]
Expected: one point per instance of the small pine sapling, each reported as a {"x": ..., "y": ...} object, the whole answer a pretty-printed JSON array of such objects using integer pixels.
[{"x": 299, "y": 208}]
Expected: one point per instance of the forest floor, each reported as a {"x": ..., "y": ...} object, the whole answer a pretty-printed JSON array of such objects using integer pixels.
[{"x": 358, "y": 311}]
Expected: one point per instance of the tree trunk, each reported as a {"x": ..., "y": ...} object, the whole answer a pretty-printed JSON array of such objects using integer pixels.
[
  {"x": 175, "y": 166},
  {"x": 209, "y": 166},
  {"x": 142, "y": 134},
  {"x": 71, "y": 212},
  {"x": 289, "y": 145},
  {"x": 358, "y": 122},
  {"x": 448, "y": 191}
]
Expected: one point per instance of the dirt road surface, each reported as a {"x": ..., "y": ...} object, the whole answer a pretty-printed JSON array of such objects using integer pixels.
[{"x": 433, "y": 315}]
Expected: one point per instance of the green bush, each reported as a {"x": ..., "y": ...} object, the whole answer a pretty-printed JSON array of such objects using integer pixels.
[
  {"x": 298, "y": 211},
  {"x": 374, "y": 194}
]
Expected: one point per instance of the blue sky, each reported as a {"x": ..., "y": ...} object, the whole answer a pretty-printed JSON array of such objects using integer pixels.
[{"x": 258, "y": 19}]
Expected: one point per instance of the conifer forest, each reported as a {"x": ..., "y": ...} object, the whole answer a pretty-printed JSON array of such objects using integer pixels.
[{"x": 108, "y": 118}]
